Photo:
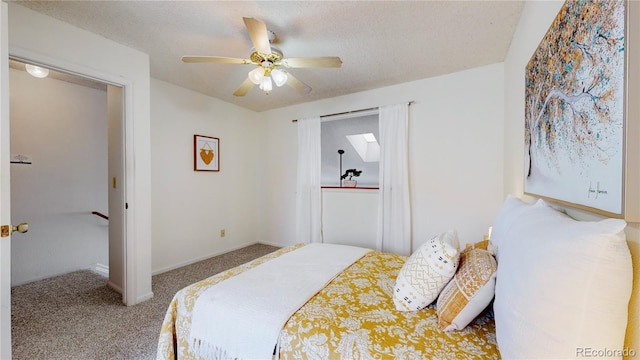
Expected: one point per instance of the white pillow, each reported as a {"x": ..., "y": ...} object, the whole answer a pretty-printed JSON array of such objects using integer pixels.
[
  {"x": 426, "y": 272},
  {"x": 563, "y": 286},
  {"x": 510, "y": 210}
]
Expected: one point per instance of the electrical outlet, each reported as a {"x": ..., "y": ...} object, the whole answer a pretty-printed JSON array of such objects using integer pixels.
[{"x": 222, "y": 233}]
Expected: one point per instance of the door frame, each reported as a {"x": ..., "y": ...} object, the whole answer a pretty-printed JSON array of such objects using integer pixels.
[
  {"x": 5, "y": 188},
  {"x": 129, "y": 287}
]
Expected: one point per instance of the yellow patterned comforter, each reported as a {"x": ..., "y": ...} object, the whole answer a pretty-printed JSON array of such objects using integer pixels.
[{"x": 351, "y": 318}]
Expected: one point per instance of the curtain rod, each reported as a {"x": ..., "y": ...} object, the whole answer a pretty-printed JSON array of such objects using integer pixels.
[{"x": 353, "y": 111}]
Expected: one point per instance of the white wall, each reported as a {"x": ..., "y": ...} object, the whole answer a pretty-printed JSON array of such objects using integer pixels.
[
  {"x": 63, "y": 126},
  {"x": 56, "y": 43},
  {"x": 350, "y": 217},
  {"x": 190, "y": 208},
  {"x": 534, "y": 22},
  {"x": 456, "y": 151}
]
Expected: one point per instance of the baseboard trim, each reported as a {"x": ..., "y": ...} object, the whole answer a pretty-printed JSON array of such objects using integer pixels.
[
  {"x": 270, "y": 244},
  {"x": 144, "y": 297},
  {"x": 176, "y": 266},
  {"x": 100, "y": 269},
  {"x": 114, "y": 287}
]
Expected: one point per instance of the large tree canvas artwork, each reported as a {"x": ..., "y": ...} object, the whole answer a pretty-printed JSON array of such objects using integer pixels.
[{"x": 574, "y": 108}]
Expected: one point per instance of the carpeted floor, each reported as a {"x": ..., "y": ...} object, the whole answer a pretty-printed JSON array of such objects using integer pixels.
[{"x": 76, "y": 316}]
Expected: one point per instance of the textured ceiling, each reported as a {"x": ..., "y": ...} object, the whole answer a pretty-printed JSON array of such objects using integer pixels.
[{"x": 381, "y": 43}]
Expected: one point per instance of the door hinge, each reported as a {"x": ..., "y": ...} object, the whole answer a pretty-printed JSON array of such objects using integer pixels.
[{"x": 5, "y": 230}]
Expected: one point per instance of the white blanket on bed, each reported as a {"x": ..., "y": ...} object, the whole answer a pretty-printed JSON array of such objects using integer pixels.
[{"x": 241, "y": 317}]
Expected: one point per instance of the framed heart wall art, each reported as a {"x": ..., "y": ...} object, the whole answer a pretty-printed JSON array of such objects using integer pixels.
[{"x": 206, "y": 153}]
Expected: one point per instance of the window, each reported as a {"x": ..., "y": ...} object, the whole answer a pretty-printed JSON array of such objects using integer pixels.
[{"x": 358, "y": 137}]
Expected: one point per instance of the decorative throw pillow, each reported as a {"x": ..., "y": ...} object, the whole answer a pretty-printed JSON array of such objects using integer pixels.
[
  {"x": 563, "y": 286},
  {"x": 469, "y": 292},
  {"x": 483, "y": 245},
  {"x": 426, "y": 272}
]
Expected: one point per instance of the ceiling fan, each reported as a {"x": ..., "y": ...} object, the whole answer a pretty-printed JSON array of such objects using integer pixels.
[{"x": 268, "y": 60}]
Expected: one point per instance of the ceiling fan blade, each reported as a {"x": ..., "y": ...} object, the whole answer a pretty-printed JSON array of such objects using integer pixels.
[
  {"x": 327, "y": 61},
  {"x": 298, "y": 85},
  {"x": 258, "y": 34},
  {"x": 244, "y": 88},
  {"x": 214, "y": 59}
]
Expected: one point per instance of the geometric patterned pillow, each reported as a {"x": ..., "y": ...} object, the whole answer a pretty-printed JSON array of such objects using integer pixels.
[
  {"x": 470, "y": 291},
  {"x": 426, "y": 272}
]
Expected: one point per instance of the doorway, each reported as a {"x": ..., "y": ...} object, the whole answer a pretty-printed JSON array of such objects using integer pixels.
[{"x": 67, "y": 170}]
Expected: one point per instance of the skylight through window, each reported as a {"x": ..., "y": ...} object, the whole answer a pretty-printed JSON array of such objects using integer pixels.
[
  {"x": 339, "y": 153},
  {"x": 366, "y": 146}
]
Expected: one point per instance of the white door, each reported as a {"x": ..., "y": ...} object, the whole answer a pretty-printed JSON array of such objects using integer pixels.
[
  {"x": 117, "y": 205},
  {"x": 5, "y": 198}
]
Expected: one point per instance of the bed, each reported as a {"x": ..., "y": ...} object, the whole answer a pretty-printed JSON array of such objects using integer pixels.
[
  {"x": 352, "y": 317},
  {"x": 536, "y": 313}
]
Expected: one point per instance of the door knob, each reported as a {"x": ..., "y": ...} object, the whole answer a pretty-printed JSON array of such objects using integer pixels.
[{"x": 21, "y": 228}]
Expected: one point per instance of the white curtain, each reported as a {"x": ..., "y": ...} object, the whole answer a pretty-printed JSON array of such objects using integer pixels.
[
  {"x": 308, "y": 193},
  {"x": 394, "y": 210}
]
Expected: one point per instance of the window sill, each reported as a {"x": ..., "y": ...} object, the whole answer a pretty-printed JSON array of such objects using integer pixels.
[{"x": 349, "y": 188}]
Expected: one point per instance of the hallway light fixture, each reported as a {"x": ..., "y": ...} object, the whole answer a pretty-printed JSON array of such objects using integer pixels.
[{"x": 36, "y": 71}]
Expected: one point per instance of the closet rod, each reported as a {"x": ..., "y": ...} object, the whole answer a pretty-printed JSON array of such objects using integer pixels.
[{"x": 353, "y": 111}]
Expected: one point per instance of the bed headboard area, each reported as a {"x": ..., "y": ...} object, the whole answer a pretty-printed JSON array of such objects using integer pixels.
[{"x": 564, "y": 287}]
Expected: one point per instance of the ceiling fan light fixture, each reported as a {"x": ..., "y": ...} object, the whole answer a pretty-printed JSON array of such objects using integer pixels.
[
  {"x": 268, "y": 59},
  {"x": 256, "y": 75},
  {"x": 279, "y": 77},
  {"x": 36, "y": 71},
  {"x": 266, "y": 84}
]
